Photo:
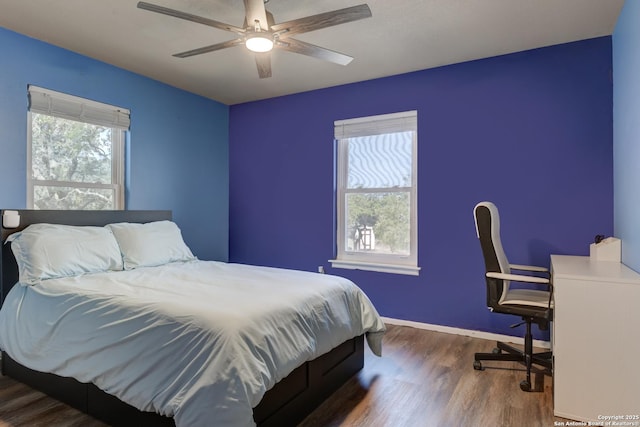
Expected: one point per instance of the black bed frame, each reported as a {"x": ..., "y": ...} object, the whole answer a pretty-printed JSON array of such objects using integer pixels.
[{"x": 286, "y": 404}]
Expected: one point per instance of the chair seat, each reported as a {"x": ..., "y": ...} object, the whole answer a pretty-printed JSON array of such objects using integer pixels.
[{"x": 529, "y": 297}]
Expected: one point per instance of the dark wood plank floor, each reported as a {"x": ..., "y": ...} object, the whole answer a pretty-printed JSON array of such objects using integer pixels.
[{"x": 424, "y": 378}]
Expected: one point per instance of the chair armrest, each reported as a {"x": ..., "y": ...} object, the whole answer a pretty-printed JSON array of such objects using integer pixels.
[
  {"x": 528, "y": 268},
  {"x": 518, "y": 278},
  {"x": 525, "y": 279}
]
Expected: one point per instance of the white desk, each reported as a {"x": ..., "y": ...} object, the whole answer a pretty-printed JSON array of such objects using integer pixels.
[{"x": 595, "y": 339}]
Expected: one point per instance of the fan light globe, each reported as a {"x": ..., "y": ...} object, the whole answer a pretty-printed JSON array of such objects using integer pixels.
[{"x": 259, "y": 43}]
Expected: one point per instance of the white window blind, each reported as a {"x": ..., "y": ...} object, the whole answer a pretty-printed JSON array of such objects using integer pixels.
[
  {"x": 49, "y": 102},
  {"x": 376, "y": 125}
]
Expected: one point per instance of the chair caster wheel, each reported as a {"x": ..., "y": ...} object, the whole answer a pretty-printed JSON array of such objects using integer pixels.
[
  {"x": 477, "y": 366},
  {"x": 525, "y": 385},
  {"x": 496, "y": 351}
]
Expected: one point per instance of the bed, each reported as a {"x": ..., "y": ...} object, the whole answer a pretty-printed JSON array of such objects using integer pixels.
[{"x": 160, "y": 364}]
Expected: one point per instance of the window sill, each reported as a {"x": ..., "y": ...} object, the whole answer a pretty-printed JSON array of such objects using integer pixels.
[{"x": 382, "y": 268}]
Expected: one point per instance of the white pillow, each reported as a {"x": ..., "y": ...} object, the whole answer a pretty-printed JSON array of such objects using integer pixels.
[
  {"x": 151, "y": 244},
  {"x": 47, "y": 251}
]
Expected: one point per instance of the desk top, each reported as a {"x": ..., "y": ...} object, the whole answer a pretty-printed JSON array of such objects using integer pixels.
[{"x": 586, "y": 269}]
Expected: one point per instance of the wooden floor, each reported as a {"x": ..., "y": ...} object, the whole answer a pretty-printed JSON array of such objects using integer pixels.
[{"x": 423, "y": 379}]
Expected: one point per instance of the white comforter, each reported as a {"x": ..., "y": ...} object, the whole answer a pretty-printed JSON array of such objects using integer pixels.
[{"x": 199, "y": 341}]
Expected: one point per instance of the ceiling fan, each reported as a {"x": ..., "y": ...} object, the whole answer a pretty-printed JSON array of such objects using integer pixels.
[{"x": 261, "y": 34}]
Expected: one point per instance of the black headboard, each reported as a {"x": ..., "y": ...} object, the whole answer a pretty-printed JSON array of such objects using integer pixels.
[{"x": 8, "y": 266}]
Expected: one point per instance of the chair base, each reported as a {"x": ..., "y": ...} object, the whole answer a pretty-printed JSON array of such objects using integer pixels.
[{"x": 506, "y": 352}]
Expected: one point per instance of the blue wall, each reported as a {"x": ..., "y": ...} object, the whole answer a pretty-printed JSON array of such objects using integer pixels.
[
  {"x": 531, "y": 131},
  {"x": 626, "y": 132},
  {"x": 178, "y": 153}
]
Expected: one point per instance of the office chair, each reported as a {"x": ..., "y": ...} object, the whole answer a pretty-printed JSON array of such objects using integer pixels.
[{"x": 532, "y": 305}]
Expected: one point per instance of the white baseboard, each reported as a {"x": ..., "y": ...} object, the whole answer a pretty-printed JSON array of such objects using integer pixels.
[{"x": 465, "y": 332}]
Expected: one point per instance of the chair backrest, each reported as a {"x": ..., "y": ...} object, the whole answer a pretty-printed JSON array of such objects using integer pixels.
[{"x": 487, "y": 221}]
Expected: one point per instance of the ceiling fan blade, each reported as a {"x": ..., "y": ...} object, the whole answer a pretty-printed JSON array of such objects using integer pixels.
[
  {"x": 210, "y": 48},
  {"x": 255, "y": 11},
  {"x": 263, "y": 61},
  {"x": 322, "y": 20},
  {"x": 189, "y": 17},
  {"x": 304, "y": 48}
]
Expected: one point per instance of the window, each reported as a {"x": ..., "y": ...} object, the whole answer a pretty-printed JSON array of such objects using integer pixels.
[
  {"x": 377, "y": 193},
  {"x": 75, "y": 156}
]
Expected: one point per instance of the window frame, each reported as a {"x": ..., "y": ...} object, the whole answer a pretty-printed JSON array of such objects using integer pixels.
[
  {"x": 115, "y": 118},
  {"x": 387, "y": 263}
]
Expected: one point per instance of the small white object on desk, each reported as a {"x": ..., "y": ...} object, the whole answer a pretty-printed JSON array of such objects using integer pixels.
[
  {"x": 608, "y": 249},
  {"x": 10, "y": 219}
]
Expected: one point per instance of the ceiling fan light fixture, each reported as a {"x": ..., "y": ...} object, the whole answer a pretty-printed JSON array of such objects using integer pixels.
[
  {"x": 259, "y": 42},
  {"x": 261, "y": 34}
]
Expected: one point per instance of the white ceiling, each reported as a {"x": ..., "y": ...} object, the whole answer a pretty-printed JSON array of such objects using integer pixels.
[{"x": 401, "y": 36}]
